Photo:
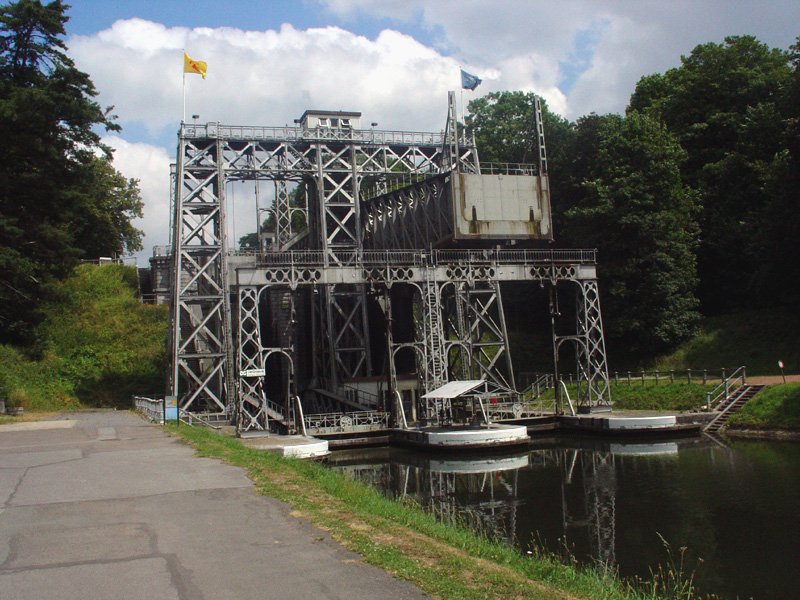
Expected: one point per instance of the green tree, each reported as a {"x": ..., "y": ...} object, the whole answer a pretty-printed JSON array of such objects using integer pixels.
[
  {"x": 722, "y": 103},
  {"x": 52, "y": 183},
  {"x": 637, "y": 211},
  {"x": 776, "y": 242}
]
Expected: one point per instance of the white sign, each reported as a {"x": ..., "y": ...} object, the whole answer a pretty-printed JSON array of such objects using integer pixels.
[
  {"x": 252, "y": 373},
  {"x": 780, "y": 364}
]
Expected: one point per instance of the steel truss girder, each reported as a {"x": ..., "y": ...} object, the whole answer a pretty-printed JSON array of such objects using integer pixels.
[
  {"x": 254, "y": 408},
  {"x": 200, "y": 307},
  {"x": 589, "y": 343},
  {"x": 252, "y": 400},
  {"x": 210, "y": 155},
  {"x": 477, "y": 324},
  {"x": 592, "y": 353},
  {"x": 412, "y": 217}
]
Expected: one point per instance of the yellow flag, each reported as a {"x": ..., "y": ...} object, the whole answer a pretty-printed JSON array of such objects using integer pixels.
[{"x": 198, "y": 67}]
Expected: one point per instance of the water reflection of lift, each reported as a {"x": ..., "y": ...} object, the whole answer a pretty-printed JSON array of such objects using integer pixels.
[
  {"x": 480, "y": 493},
  {"x": 596, "y": 513}
]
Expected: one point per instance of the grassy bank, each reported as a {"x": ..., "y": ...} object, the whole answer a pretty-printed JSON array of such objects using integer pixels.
[
  {"x": 757, "y": 339},
  {"x": 444, "y": 561},
  {"x": 649, "y": 396},
  {"x": 671, "y": 396},
  {"x": 96, "y": 346},
  {"x": 777, "y": 407}
]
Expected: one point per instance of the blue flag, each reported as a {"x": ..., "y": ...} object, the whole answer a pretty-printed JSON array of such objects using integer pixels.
[{"x": 468, "y": 81}]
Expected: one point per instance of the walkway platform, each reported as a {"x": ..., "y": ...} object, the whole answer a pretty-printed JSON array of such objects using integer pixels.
[
  {"x": 463, "y": 437},
  {"x": 295, "y": 446}
]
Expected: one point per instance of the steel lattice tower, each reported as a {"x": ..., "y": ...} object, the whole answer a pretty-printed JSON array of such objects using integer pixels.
[{"x": 376, "y": 208}]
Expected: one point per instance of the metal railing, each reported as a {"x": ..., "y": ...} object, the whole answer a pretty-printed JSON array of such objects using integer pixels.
[
  {"x": 302, "y": 134},
  {"x": 300, "y": 415},
  {"x": 720, "y": 395},
  {"x": 566, "y": 395},
  {"x": 365, "y": 420},
  {"x": 191, "y": 419},
  {"x": 509, "y": 169},
  {"x": 358, "y": 396},
  {"x": 406, "y": 258},
  {"x": 688, "y": 375},
  {"x": 152, "y": 408}
]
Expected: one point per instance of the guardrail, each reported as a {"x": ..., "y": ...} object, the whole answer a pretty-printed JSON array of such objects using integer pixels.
[
  {"x": 152, "y": 408},
  {"x": 727, "y": 387},
  {"x": 366, "y": 420},
  {"x": 303, "y": 134},
  {"x": 383, "y": 258},
  {"x": 703, "y": 376}
]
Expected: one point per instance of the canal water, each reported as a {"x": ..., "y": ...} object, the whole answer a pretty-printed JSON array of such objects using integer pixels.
[{"x": 734, "y": 506}]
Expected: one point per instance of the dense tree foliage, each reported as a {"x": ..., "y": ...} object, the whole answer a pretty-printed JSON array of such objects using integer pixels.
[
  {"x": 694, "y": 193},
  {"x": 637, "y": 211},
  {"x": 724, "y": 103},
  {"x": 617, "y": 187},
  {"x": 60, "y": 199}
]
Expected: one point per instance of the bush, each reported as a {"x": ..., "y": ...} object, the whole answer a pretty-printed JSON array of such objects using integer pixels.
[{"x": 98, "y": 345}]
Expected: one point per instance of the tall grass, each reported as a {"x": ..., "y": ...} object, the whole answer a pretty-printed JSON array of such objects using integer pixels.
[
  {"x": 97, "y": 345},
  {"x": 777, "y": 407}
]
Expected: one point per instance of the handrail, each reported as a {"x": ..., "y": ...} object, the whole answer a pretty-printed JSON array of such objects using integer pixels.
[
  {"x": 402, "y": 410},
  {"x": 194, "y": 417},
  {"x": 566, "y": 392},
  {"x": 302, "y": 418},
  {"x": 724, "y": 390},
  {"x": 410, "y": 258},
  {"x": 152, "y": 408},
  {"x": 483, "y": 410}
]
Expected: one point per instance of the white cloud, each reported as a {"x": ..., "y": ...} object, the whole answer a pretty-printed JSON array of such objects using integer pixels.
[
  {"x": 581, "y": 55},
  {"x": 150, "y": 165},
  {"x": 633, "y": 38},
  {"x": 265, "y": 77}
]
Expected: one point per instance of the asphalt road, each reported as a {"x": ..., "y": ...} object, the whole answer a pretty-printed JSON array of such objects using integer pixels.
[{"x": 104, "y": 505}]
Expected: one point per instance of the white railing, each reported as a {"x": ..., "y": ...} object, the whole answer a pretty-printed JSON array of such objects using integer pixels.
[
  {"x": 300, "y": 414},
  {"x": 364, "y": 420},
  {"x": 152, "y": 408},
  {"x": 566, "y": 395}
]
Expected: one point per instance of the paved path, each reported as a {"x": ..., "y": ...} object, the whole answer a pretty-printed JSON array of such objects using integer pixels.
[{"x": 104, "y": 505}]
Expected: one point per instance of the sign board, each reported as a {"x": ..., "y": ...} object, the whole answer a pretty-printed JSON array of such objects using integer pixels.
[
  {"x": 171, "y": 406},
  {"x": 780, "y": 364},
  {"x": 252, "y": 373}
]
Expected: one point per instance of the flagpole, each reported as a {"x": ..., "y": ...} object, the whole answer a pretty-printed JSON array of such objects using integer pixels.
[{"x": 183, "y": 120}]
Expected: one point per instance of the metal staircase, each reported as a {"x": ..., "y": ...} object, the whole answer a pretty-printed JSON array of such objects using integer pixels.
[{"x": 732, "y": 405}]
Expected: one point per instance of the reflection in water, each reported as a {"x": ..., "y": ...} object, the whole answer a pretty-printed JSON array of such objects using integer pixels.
[
  {"x": 483, "y": 492},
  {"x": 609, "y": 502},
  {"x": 596, "y": 485}
]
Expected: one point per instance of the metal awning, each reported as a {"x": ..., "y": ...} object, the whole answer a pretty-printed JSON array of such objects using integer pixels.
[{"x": 454, "y": 389}]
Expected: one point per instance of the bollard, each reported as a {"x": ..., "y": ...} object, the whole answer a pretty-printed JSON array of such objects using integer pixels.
[
  {"x": 708, "y": 401},
  {"x": 616, "y": 376},
  {"x": 642, "y": 377},
  {"x": 689, "y": 375},
  {"x": 629, "y": 377},
  {"x": 656, "y": 378},
  {"x": 671, "y": 376},
  {"x": 705, "y": 376}
]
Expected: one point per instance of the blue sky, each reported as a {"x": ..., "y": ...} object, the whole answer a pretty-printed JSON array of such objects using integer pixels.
[{"x": 268, "y": 61}]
